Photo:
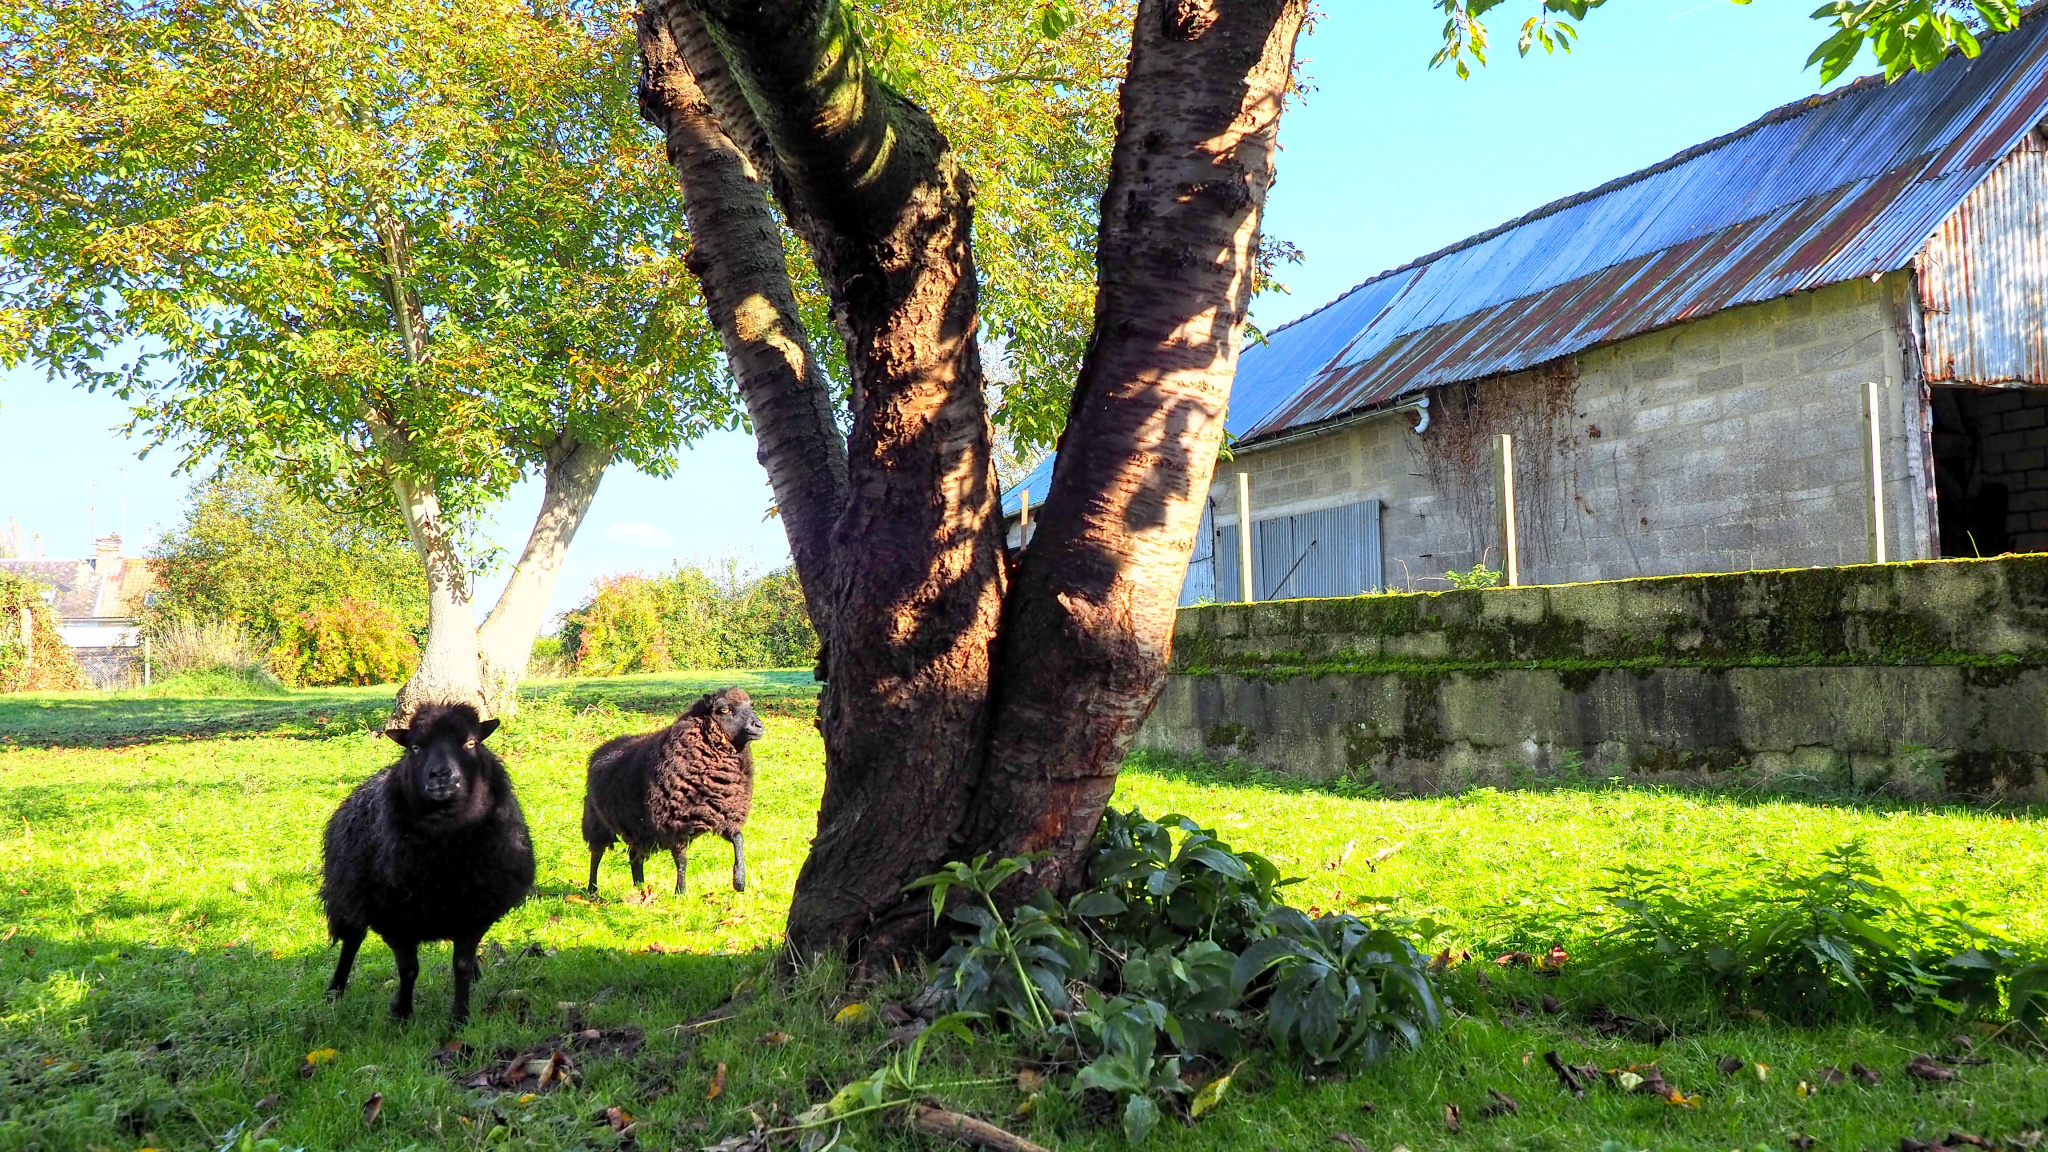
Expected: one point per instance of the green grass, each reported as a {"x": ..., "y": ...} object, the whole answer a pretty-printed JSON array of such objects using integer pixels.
[{"x": 163, "y": 950}]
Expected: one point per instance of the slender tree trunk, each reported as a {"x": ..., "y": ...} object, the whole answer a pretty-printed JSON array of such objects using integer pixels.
[
  {"x": 1089, "y": 623},
  {"x": 505, "y": 641},
  {"x": 939, "y": 741},
  {"x": 448, "y": 669}
]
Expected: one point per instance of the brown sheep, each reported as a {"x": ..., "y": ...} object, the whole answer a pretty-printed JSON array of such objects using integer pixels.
[{"x": 664, "y": 789}]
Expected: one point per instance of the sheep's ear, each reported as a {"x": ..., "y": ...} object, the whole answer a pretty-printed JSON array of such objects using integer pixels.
[
  {"x": 401, "y": 735},
  {"x": 485, "y": 729}
]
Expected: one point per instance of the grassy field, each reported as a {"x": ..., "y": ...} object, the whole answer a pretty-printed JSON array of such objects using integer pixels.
[{"x": 162, "y": 952}]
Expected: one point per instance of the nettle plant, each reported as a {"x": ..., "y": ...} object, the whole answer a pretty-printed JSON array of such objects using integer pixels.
[{"x": 1180, "y": 951}]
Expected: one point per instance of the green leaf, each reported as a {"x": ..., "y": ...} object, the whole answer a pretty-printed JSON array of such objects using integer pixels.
[{"x": 1139, "y": 1117}]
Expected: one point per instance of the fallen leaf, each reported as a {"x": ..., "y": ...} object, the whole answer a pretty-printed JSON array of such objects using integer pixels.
[
  {"x": 717, "y": 1083},
  {"x": 775, "y": 1038},
  {"x": 267, "y": 1103},
  {"x": 1629, "y": 1081},
  {"x": 1350, "y": 1141},
  {"x": 578, "y": 898},
  {"x": 895, "y": 1015},
  {"x": 641, "y": 897},
  {"x": 1804, "y": 1089},
  {"x": 373, "y": 1108},
  {"x": 239, "y": 886},
  {"x": 555, "y": 1069},
  {"x": 1554, "y": 960},
  {"x": 1030, "y": 1080},
  {"x": 1503, "y": 1105},
  {"x": 1867, "y": 1075},
  {"x": 1831, "y": 1076},
  {"x": 1959, "y": 1139},
  {"x": 1566, "y": 1075},
  {"x": 853, "y": 1013},
  {"x": 1801, "y": 1143},
  {"x": 618, "y": 1118},
  {"x": 1763, "y": 1071},
  {"x": 1452, "y": 1119},
  {"x": 312, "y": 1061},
  {"x": 1551, "y": 1004},
  {"x": 1210, "y": 1096},
  {"x": 1729, "y": 1065},
  {"x": 1925, "y": 1067},
  {"x": 526, "y": 1098},
  {"x": 1514, "y": 960}
]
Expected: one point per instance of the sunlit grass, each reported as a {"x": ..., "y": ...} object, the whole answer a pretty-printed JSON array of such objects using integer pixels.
[{"x": 164, "y": 952}]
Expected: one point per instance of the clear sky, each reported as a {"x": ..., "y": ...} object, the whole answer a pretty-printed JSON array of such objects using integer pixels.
[{"x": 1384, "y": 160}]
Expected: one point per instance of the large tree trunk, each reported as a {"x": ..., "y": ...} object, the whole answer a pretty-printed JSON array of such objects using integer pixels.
[
  {"x": 505, "y": 641},
  {"x": 1089, "y": 622},
  {"x": 448, "y": 668},
  {"x": 918, "y": 546},
  {"x": 930, "y": 753}
]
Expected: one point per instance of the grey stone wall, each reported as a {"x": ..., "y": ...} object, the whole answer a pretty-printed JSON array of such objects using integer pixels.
[
  {"x": 2014, "y": 445},
  {"x": 1924, "y": 680},
  {"x": 1733, "y": 442}
]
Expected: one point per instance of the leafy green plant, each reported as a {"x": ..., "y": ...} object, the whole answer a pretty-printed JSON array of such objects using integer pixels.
[
  {"x": 1807, "y": 944},
  {"x": 1188, "y": 953},
  {"x": 1339, "y": 985},
  {"x": 1018, "y": 967},
  {"x": 1479, "y": 577},
  {"x": 347, "y": 642}
]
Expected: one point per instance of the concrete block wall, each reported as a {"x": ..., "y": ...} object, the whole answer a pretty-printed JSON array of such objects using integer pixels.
[
  {"x": 1925, "y": 681},
  {"x": 2013, "y": 448},
  {"x": 1736, "y": 441}
]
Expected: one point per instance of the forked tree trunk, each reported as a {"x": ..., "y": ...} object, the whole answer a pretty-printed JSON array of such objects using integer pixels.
[
  {"x": 941, "y": 741},
  {"x": 505, "y": 640}
]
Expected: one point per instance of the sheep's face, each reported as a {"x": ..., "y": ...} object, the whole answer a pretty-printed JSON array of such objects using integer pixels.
[
  {"x": 443, "y": 763},
  {"x": 734, "y": 714}
]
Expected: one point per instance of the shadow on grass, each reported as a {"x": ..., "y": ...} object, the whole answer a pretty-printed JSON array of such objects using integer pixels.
[
  {"x": 122, "y": 719},
  {"x": 1239, "y": 774}
]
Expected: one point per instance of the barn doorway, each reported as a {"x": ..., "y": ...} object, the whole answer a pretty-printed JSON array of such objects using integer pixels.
[{"x": 1991, "y": 470}]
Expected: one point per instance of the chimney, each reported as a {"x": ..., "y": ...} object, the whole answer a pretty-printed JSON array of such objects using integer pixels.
[{"x": 108, "y": 554}]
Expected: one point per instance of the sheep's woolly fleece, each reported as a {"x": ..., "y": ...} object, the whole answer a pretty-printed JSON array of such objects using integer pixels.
[{"x": 694, "y": 780}]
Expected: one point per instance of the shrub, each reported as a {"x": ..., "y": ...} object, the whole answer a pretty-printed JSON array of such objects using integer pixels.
[
  {"x": 45, "y": 663},
  {"x": 689, "y": 619},
  {"x": 252, "y": 554},
  {"x": 1180, "y": 949},
  {"x": 347, "y": 642},
  {"x": 1815, "y": 943}
]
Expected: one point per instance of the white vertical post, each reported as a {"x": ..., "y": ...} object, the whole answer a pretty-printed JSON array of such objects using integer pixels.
[
  {"x": 1244, "y": 537},
  {"x": 1504, "y": 487},
  {"x": 1023, "y": 517},
  {"x": 1873, "y": 416}
]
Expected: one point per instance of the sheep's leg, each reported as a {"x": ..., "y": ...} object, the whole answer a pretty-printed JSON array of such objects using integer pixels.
[
  {"x": 680, "y": 853},
  {"x": 739, "y": 864},
  {"x": 596, "y": 858},
  {"x": 351, "y": 940},
  {"x": 463, "y": 960},
  {"x": 637, "y": 857},
  {"x": 407, "y": 953}
]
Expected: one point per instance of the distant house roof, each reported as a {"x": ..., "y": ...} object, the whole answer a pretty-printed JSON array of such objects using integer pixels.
[
  {"x": 76, "y": 584},
  {"x": 1820, "y": 191}
]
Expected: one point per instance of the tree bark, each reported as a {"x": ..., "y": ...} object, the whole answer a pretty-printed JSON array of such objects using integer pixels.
[
  {"x": 505, "y": 641},
  {"x": 918, "y": 546},
  {"x": 736, "y": 254},
  {"x": 448, "y": 668},
  {"x": 1089, "y": 622}
]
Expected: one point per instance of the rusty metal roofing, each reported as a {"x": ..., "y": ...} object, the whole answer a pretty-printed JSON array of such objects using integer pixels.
[
  {"x": 1822, "y": 190},
  {"x": 1829, "y": 188},
  {"x": 1983, "y": 279}
]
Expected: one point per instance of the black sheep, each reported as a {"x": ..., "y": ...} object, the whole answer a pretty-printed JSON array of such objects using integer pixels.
[
  {"x": 664, "y": 789},
  {"x": 432, "y": 848}
]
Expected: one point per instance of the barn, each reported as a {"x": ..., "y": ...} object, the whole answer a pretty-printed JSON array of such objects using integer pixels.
[{"x": 1821, "y": 339}]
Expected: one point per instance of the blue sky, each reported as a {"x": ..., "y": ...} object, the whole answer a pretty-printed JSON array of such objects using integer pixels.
[{"x": 1385, "y": 160}]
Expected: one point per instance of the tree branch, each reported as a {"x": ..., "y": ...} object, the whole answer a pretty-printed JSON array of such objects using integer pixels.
[{"x": 736, "y": 255}]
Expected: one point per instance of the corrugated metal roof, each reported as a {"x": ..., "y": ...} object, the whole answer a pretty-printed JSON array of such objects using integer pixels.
[
  {"x": 1984, "y": 279},
  {"x": 1817, "y": 192}
]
